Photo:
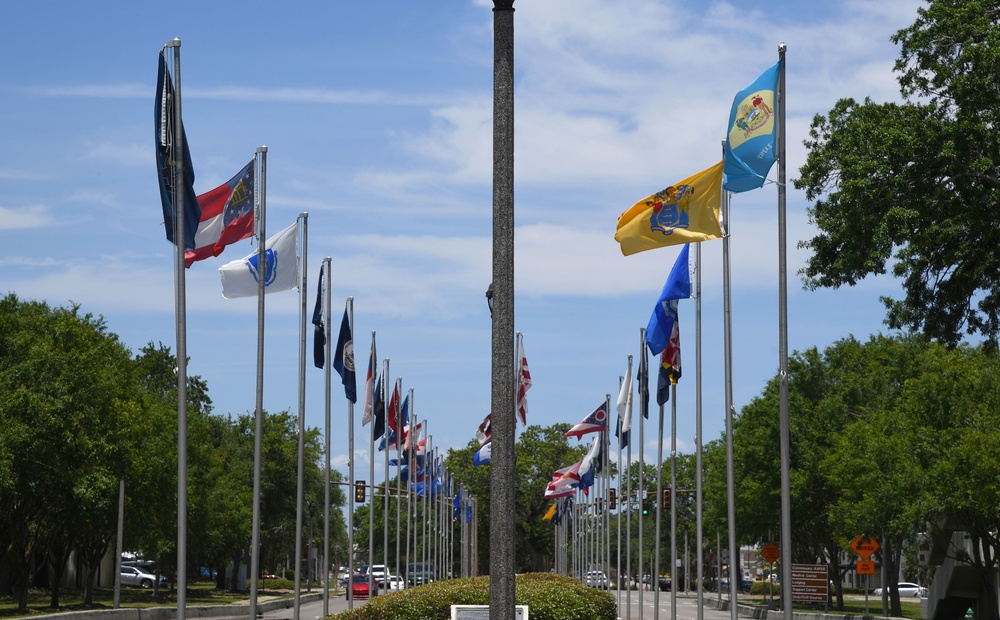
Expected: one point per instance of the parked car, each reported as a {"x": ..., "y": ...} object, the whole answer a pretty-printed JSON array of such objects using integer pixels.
[
  {"x": 596, "y": 579},
  {"x": 139, "y": 577},
  {"x": 392, "y": 584},
  {"x": 906, "y": 589},
  {"x": 359, "y": 587}
]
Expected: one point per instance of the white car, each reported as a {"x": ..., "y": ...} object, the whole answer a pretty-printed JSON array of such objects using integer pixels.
[
  {"x": 596, "y": 579},
  {"x": 906, "y": 589},
  {"x": 392, "y": 584}
]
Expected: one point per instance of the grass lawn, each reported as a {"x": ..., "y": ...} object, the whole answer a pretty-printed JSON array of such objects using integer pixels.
[{"x": 199, "y": 593}]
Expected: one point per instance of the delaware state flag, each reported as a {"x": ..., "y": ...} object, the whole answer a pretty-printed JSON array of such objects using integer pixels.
[{"x": 750, "y": 150}]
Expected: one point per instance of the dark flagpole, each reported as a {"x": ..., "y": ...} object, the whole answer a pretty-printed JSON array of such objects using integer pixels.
[{"x": 502, "y": 477}]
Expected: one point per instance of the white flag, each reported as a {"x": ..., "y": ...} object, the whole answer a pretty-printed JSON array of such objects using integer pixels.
[
  {"x": 625, "y": 400},
  {"x": 239, "y": 277}
]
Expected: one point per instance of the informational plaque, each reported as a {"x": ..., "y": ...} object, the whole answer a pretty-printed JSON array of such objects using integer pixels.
[
  {"x": 810, "y": 583},
  {"x": 482, "y": 612}
]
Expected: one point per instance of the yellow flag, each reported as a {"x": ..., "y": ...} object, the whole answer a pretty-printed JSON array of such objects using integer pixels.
[
  {"x": 551, "y": 513},
  {"x": 685, "y": 212}
]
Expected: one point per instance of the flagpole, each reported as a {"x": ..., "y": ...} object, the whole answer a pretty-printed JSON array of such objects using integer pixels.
[
  {"x": 399, "y": 459},
  {"x": 385, "y": 489},
  {"x": 654, "y": 580},
  {"x": 371, "y": 471},
  {"x": 699, "y": 529},
  {"x": 673, "y": 505},
  {"x": 727, "y": 312},
  {"x": 326, "y": 448},
  {"x": 641, "y": 485},
  {"x": 303, "y": 220},
  {"x": 260, "y": 180},
  {"x": 181, "y": 314},
  {"x": 786, "y": 493},
  {"x": 350, "y": 465}
]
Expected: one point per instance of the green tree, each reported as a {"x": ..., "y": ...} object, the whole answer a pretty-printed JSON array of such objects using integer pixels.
[
  {"x": 69, "y": 401},
  {"x": 915, "y": 184}
]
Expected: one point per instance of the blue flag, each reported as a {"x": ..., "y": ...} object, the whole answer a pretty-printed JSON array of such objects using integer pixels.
[
  {"x": 482, "y": 455},
  {"x": 379, "y": 412},
  {"x": 750, "y": 150},
  {"x": 661, "y": 323},
  {"x": 343, "y": 360},
  {"x": 166, "y": 158}
]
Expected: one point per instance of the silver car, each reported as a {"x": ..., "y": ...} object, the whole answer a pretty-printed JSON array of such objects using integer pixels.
[{"x": 139, "y": 577}]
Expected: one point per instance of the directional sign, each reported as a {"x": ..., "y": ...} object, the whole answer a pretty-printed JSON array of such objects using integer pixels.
[
  {"x": 865, "y": 567},
  {"x": 810, "y": 583},
  {"x": 864, "y": 546},
  {"x": 770, "y": 552}
]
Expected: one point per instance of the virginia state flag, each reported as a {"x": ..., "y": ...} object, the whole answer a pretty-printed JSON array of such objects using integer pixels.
[
  {"x": 343, "y": 359},
  {"x": 750, "y": 148},
  {"x": 687, "y": 211},
  {"x": 664, "y": 317}
]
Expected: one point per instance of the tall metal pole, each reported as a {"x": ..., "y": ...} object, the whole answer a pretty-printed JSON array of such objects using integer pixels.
[
  {"x": 699, "y": 530},
  {"x": 328, "y": 348},
  {"x": 300, "y": 494},
  {"x": 386, "y": 398},
  {"x": 502, "y": 475},
  {"x": 181, "y": 314},
  {"x": 350, "y": 465},
  {"x": 786, "y": 486},
  {"x": 258, "y": 436},
  {"x": 727, "y": 312},
  {"x": 371, "y": 473},
  {"x": 641, "y": 492},
  {"x": 674, "y": 574},
  {"x": 654, "y": 578}
]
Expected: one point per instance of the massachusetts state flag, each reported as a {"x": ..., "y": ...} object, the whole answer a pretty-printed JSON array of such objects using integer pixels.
[
  {"x": 239, "y": 277},
  {"x": 227, "y": 216},
  {"x": 750, "y": 150},
  {"x": 624, "y": 407},
  {"x": 593, "y": 423}
]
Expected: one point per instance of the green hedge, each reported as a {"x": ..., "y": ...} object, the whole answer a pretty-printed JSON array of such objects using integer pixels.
[{"x": 548, "y": 597}]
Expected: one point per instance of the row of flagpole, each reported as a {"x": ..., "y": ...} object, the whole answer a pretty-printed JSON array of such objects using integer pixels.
[
  {"x": 677, "y": 209},
  {"x": 200, "y": 227}
]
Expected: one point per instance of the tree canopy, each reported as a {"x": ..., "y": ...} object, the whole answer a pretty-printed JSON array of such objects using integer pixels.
[{"x": 911, "y": 187}]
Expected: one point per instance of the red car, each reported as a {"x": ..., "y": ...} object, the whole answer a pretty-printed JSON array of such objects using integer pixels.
[{"x": 359, "y": 586}]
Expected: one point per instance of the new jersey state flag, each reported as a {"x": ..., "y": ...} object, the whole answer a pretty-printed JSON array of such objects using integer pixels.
[
  {"x": 239, "y": 277},
  {"x": 687, "y": 211}
]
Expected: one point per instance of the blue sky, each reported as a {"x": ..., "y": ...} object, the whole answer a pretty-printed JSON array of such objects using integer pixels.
[{"x": 378, "y": 122}]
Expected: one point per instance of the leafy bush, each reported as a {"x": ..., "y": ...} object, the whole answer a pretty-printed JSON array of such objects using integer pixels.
[
  {"x": 275, "y": 584},
  {"x": 548, "y": 597},
  {"x": 763, "y": 588}
]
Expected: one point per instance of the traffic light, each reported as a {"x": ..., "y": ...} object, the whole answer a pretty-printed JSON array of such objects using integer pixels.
[
  {"x": 359, "y": 491},
  {"x": 600, "y": 506},
  {"x": 666, "y": 499},
  {"x": 645, "y": 511},
  {"x": 612, "y": 499}
]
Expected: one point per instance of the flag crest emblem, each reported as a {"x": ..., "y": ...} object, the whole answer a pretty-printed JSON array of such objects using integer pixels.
[
  {"x": 670, "y": 208},
  {"x": 271, "y": 259},
  {"x": 754, "y": 115},
  {"x": 240, "y": 202}
]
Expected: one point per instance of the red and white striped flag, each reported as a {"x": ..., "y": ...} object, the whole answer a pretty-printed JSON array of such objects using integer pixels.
[{"x": 523, "y": 382}]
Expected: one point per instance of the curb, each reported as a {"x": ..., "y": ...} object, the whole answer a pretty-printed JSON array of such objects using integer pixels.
[{"x": 170, "y": 613}]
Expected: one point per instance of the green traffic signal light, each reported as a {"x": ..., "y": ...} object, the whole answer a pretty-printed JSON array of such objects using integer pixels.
[{"x": 645, "y": 511}]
